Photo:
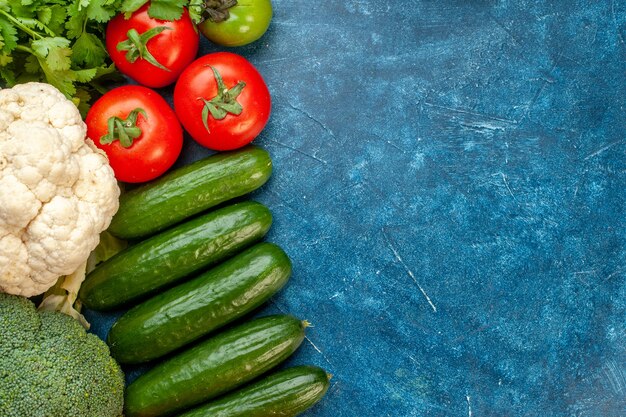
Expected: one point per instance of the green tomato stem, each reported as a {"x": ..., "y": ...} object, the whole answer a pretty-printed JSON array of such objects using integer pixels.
[
  {"x": 224, "y": 102},
  {"x": 135, "y": 46},
  {"x": 218, "y": 9},
  {"x": 124, "y": 130}
]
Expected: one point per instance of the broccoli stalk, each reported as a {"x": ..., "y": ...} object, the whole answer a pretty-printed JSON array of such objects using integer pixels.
[{"x": 63, "y": 295}]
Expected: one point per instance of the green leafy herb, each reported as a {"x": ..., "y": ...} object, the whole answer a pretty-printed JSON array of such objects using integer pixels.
[
  {"x": 59, "y": 42},
  {"x": 167, "y": 9}
]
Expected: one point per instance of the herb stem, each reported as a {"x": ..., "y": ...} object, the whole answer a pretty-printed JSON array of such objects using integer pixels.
[
  {"x": 24, "y": 49},
  {"x": 99, "y": 87},
  {"x": 20, "y": 25}
]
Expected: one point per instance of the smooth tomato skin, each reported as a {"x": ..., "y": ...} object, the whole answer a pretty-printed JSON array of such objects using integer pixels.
[
  {"x": 159, "y": 144},
  {"x": 198, "y": 81},
  {"x": 174, "y": 48},
  {"x": 248, "y": 21}
]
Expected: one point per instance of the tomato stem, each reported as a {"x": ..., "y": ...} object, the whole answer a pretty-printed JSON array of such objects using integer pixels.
[
  {"x": 218, "y": 9},
  {"x": 224, "y": 103},
  {"x": 124, "y": 130},
  {"x": 135, "y": 45}
]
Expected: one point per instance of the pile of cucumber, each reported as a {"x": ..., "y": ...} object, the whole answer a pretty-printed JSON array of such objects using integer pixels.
[{"x": 189, "y": 273}]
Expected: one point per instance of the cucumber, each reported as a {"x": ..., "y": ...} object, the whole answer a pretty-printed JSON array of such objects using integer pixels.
[
  {"x": 287, "y": 394},
  {"x": 169, "y": 256},
  {"x": 190, "y": 190},
  {"x": 214, "y": 366},
  {"x": 197, "y": 307}
]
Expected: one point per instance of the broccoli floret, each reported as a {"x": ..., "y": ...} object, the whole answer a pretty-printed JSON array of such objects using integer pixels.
[{"x": 51, "y": 367}]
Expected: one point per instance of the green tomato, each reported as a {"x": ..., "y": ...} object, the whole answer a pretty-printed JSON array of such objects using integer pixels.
[{"x": 243, "y": 23}]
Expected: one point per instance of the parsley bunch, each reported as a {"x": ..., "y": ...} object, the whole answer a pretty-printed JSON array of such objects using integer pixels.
[
  {"x": 56, "y": 41},
  {"x": 61, "y": 41},
  {"x": 167, "y": 9}
]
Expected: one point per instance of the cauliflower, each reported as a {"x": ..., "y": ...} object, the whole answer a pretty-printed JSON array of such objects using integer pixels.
[
  {"x": 57, "y": 190},
  {"x": 50, "y": 366}
]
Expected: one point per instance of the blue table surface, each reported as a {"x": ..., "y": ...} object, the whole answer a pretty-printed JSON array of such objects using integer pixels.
[{"x": 450, "y": 183}]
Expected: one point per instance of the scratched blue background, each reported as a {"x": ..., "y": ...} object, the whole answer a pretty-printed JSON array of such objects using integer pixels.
[{"x": 450, "y": 182}]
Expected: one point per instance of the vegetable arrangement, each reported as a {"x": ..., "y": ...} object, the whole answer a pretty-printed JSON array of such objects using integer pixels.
[
  {"x": 164, "y": 259},
  {"x": 60, "y": 41},
  {"x": 168, "y": 322},
  {"x": 195, "y": 262}
]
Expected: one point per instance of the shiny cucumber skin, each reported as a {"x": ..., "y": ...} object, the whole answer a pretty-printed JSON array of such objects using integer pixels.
[
  {"x": 286, "y": 393},
  {"x": 169, "y": 256},
  {"x": 190, "y": 190},
  {"x": 215, "y": 366},
  {"x": 195, "y": 308}
]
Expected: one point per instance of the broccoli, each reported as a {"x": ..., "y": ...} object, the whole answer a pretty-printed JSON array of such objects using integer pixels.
[{"x": 51, "y": 367}]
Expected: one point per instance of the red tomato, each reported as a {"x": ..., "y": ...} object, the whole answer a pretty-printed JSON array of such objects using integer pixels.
[
  {"x": 152, "y": 52},
  {"x": 222, "y": 118},
  {"x": 140, "y": 118}
]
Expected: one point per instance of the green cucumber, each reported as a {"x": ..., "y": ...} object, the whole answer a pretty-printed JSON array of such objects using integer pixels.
[
  {"x": 190, "y": 190},
  {"x": 214, "y": 366},
  {"x": 286, "y": 393},
  {"x": 195, "y": 308},
  {"x": 169, "y": 256}
]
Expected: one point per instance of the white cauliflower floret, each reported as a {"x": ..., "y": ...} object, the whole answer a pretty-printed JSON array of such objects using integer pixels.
[{"x": 57, "y": 190}]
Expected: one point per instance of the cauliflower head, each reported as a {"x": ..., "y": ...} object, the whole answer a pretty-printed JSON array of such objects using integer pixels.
[
  {"x": 51, "y": 367},
  {"x": 57, "y": 190}
]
